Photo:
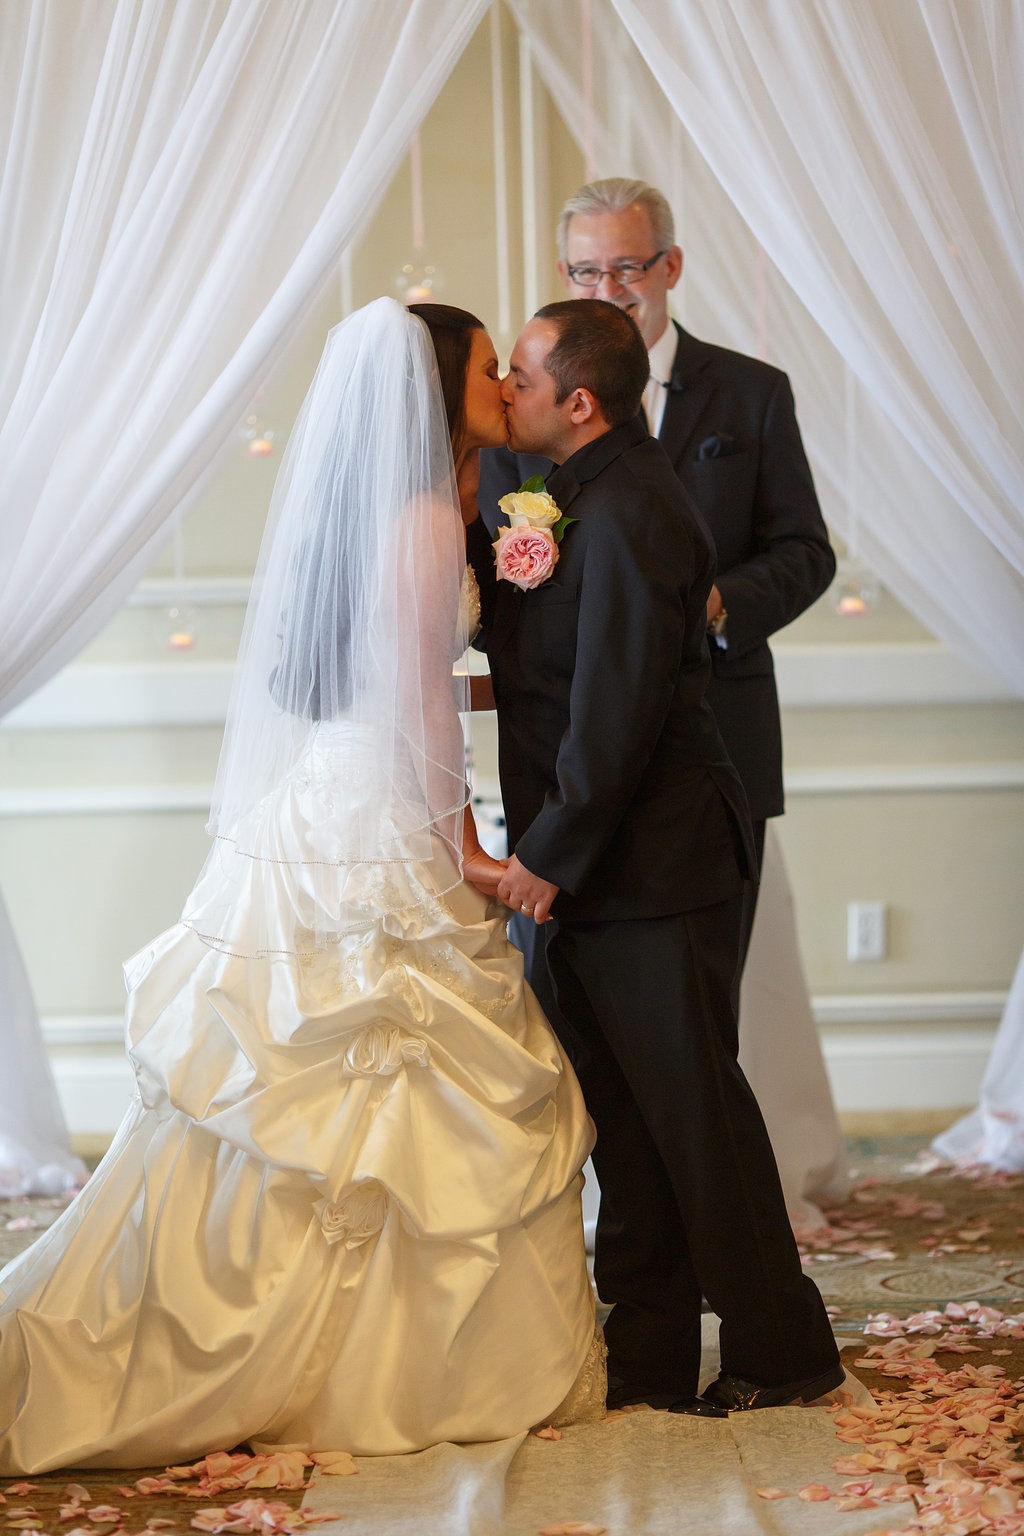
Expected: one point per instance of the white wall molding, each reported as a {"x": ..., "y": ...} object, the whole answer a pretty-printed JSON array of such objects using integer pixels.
[
  {"x": 872, "y": 673},
  {"x": 903, "y": 778},
  {"x": 838, "y": 1008},
  {"x": 92, "y": 696},
  {"x": 196, "y": 591},
  {"x": 167, "y": 798},
  {"x": 187, "y": 691},
  {"x": 106, "y": 800},
  {"x": 85, "y": 1030}
]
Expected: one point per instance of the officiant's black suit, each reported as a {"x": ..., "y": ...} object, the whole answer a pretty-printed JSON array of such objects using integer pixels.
[{"x": 618, "y": 789}]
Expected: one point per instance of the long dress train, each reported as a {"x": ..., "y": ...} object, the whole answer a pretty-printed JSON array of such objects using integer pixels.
[{"x": 343, "y": 1211}]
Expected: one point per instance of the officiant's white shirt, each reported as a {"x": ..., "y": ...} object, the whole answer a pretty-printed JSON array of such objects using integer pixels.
[{"x": 662, "y": 356}]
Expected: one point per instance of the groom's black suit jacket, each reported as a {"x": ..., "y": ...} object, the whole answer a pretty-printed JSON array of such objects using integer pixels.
[
  {"x": 731, "y": 435},
  {"x": 615, "y": 781}
]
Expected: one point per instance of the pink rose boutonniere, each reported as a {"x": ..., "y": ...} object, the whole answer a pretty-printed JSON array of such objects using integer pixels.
[{"x": 526, "y": 550}]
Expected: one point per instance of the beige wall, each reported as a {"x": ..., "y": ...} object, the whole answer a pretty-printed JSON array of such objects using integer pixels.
[{"x": 896, "y": 798}]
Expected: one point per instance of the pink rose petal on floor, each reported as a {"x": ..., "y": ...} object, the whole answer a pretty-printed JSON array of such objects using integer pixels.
[
  {"x": 547, "y": 1433},
  {"x": 771, "y": 1493},
  {"x": 574, "y": 1528},
  {"x": 248, "y": 1515},
  {"x": 814, "y": 1493},
  {"x": 21, "y": 1489},
  {"x": 283, "y": 1469},
  {"x": 335, "y": 1463}
]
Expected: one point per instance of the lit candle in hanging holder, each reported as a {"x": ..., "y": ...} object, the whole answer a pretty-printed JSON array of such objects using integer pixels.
[
  {"x": 259, "y": 438},
  {"x": 256, "y": 432},
  {"x": 419, "y": 281},
  {"x": 855, "y": 591},
  {"x": 177, "y": 628}
]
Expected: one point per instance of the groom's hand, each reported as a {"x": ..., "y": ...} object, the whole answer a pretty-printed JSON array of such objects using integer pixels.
[{"x": 526, "y": 893}]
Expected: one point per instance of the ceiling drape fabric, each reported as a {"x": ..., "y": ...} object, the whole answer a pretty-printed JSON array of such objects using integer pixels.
[
  {"x": 178, "y": 179},
  {"x": 849, "y": 191}
]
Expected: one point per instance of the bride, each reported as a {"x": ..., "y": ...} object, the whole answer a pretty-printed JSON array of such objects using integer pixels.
[{"x": 343, "y": 1209}]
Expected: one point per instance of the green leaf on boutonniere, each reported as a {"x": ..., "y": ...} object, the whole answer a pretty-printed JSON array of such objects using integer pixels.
[
  {"x": 558, "y": 531},
  {"x": 535, "y": 483}
]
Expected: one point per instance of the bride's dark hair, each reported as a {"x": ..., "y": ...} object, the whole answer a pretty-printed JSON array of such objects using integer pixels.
[{"x": 451, "y": 331}]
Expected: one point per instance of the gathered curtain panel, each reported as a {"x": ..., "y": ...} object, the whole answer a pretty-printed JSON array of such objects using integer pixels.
[
  {"x": 849, "y": 190},
  {"x": 874, "y": 152},
  {"x": 848, "y": 187},
  {"x": 178, "y": 179}
]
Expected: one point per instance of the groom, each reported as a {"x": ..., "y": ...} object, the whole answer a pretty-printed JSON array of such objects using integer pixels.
[{"x": 627, "y": 821}]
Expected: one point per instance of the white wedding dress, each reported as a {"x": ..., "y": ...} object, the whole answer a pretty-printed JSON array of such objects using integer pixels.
[{"x": 343, "y": 1211}]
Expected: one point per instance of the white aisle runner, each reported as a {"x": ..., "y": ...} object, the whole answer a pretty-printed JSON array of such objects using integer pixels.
[
  {"x": 646, "y": 1474},
  {"x": 642, "y": 1474}
]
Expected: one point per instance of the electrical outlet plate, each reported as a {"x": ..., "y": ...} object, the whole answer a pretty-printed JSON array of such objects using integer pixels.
[{"x": 866, "y": 930}]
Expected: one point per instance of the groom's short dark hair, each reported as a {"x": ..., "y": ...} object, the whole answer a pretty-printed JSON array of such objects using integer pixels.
[{"x": 599, "y": 348}]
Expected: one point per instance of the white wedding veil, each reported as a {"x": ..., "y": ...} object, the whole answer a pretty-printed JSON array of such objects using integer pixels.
[{"x": 341, "y": 785}]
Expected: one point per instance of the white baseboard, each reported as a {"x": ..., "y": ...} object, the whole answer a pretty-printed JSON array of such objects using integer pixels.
[
  {"x": 94, "y": 1085},
  {"x": 916, "y": 1064},
  {"x": 906, "y": 1070}
]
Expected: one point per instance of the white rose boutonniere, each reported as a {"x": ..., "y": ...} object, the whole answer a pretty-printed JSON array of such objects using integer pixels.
[{"x": 526, "y": 550}]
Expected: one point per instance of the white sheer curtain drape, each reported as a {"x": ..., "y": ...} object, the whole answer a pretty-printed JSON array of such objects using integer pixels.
[
  {"x": 848, "y": 186},
  {"x": 630, "y": 129},
  {"x": 177, "y": 180},
  {"x": 874, "y": 152},
  {"x": 864, "y": 158}
]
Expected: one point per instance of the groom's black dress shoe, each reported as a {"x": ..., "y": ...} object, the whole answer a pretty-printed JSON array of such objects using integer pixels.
[
  {"x": 731, "y": 1394},
  {"x": 699, "y": 1407}
]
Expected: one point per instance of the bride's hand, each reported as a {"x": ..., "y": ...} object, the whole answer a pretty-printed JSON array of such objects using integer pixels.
[{"x": 481, "y": 871}]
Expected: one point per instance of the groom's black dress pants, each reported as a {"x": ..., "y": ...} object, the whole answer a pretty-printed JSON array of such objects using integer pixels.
[{"x": 691, "y": 1202}]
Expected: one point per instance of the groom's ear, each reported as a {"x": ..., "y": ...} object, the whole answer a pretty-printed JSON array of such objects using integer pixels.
[{"x": 583, "y": 408}]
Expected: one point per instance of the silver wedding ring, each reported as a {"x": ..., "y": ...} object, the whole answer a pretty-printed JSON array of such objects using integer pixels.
[{"x": 527, "y": 910}]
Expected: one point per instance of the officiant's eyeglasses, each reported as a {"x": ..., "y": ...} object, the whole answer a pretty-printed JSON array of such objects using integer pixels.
[{"x": 624, "y": 273}]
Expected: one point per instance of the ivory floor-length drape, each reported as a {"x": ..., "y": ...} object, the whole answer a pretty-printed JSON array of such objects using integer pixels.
[
  {"x": 875, "y": 155},
  {"x": 178, "y": 178},
  {"x": 855, "y": 172}
]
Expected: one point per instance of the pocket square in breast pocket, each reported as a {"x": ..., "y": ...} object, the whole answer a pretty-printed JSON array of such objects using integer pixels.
[{"x": 718, "y": 446}]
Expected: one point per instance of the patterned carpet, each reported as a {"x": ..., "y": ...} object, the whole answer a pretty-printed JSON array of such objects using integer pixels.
[
  {"x": 915, "y": 1235},
  {"x": 915, "y": 1239}
]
